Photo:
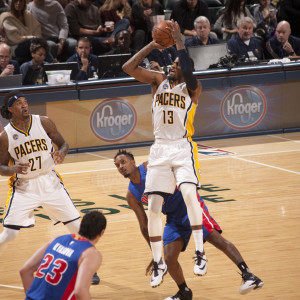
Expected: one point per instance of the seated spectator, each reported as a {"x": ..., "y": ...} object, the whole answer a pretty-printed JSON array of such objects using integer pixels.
[
  {"x": 243, "y": 44},
  {"x": 283, "y": 44},
  {"x": 8, "y": 66},
  {"x": 20, "y": 28},
  {"x": 265, "y": 17},
  {"x": 164, "y": 57},
  {"x": 54, "y": 27},
  {"x": 38, "y": 50},
  {"x": 115, "y": 10},
  {"x": 142, "y": 12},
  {"x": 122, "y": 43},
  {"x": 202, "y": 37},
  {"x": 84, "y": 20},
  {"x": 227, "y": 22},
  {"x": 185, "y": 12},
  {"x": 87, "y": 62}
]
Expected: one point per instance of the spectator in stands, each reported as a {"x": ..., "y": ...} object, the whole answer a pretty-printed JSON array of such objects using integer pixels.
[
  {"x": 202, "y": 37},
  {"x": 115, "y": 10},
  {"x": 265, "y": 17},
  {"x": 84, "y": 20},
  {"x": 54, "y": 27},
  {"x": 87, "y": 62},
  {"x": 283, "y": 44},
  {"x": 20, "y": 28},
  {"x": 143, "y": 14},
  {"x": 38, "y": 50},
  {"x": 291, "y": 11},
  {"x": 122, "y": 43},
  {"x": 163, "y": 57},
  {"x": 8, "y": 66},
  {"x": 227, "y": 22},
  {"x": 243, "y": 44},
  {"x": 185, "y": 12}
]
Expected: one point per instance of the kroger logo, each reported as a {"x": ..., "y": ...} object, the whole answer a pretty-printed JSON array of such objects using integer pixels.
[
  {"x": 243, "y": 107},
  {"x": 113, "y": 120}
]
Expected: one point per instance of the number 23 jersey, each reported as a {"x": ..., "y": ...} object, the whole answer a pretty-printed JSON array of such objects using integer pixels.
[{"x": 173, "y": 112}]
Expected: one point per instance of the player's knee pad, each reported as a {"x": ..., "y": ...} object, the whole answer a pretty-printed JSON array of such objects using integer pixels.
[
  {"x": 154, "y": 215},
  {"x": 189, "y": 193}
]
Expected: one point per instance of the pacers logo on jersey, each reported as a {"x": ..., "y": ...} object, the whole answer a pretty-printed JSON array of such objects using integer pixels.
[
  {"x": 113, "y": 119},
  {"x": 243, "y": 107},
  {"x": 170, "y": 99}
]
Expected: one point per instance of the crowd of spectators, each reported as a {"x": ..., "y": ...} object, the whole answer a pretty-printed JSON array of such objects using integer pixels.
[{"x": 37, "y": 32}]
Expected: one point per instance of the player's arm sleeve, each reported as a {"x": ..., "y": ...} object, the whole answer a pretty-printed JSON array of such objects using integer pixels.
[{"x": 187, "y": 70}]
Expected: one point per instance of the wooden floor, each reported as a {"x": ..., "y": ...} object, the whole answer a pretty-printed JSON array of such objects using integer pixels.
[{"x": 253, "y": 191}]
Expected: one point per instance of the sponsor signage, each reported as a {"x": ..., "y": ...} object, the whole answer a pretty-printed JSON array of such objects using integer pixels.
[
  {"x": 113, "y": 119},
  {"x": 243, "y": 107}
]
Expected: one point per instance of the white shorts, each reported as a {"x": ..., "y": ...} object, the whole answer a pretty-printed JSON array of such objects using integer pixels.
[
  {"x": 47, "y": 191},
  {"x": 172, "y": 163}
]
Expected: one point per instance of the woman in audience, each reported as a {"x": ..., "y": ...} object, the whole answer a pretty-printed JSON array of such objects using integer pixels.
[
  {"x": 265, "y": 17},
  {"x": 20, "y": 28},
  {"x": 227, "y": 23},
  {"x": 115, "y": 10},
  {"x": 142, "y": 12},
  {"x": 38, "y": 50}
]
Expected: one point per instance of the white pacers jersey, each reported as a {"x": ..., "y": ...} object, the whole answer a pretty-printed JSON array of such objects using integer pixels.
[
  {"x": 33, "y": 146},
  {"x": 173, "y": 112}
]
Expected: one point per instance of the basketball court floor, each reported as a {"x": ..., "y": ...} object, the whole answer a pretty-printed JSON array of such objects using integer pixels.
[{"x": 251, "y": 186}]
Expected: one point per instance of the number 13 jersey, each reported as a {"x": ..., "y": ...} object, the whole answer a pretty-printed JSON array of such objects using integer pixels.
[
  {"x": 33, "y": 146},
  {"x": 173, "y": 112}
]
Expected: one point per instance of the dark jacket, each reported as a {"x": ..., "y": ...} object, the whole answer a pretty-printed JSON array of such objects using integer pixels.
[
  {"x": 16, "y": 65},
  {"x": 194, "y": 41},
  {"x": 186, "y": 17},
  {"x": 237, "y": 46},
  {"x": 274, "y": 48},
  {"x": 92, "y": 66},
  {"x": 163, "y": 58}
]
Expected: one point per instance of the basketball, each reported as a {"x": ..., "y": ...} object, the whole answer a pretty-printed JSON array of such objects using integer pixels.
[{"x": 162, "y": 34}]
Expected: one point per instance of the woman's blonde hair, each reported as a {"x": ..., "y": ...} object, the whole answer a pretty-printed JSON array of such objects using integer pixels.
[{"x": 116, "y": 4}]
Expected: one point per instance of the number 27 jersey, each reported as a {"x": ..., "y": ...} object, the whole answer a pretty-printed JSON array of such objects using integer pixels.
[{"x": 173, "y": 112}]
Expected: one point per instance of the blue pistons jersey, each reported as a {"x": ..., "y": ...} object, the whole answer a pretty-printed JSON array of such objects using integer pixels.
[
  {"x": 173, "y": 205},
  {"x": 178, "y": 224},
  {"x": 56, "y": 276}
]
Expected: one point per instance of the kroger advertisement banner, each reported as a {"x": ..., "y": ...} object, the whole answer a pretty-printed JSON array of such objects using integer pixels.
[{"x": 100, "y": 122}]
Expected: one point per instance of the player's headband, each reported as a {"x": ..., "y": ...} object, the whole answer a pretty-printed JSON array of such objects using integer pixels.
[{"x": 13, "y": 99}]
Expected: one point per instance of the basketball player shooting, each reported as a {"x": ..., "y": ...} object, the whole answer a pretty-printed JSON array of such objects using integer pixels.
[{"x": 173, "y": 157}]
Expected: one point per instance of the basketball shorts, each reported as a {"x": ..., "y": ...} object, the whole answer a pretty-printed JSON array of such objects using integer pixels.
[
  {"x": 48, "y": 191},
  {"x": 175, "y": 229},
  {"x": 172, "y": 163}
]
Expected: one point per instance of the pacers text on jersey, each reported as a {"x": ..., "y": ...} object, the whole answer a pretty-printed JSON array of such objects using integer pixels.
[
  {"x": 30, "y": 146},
  {"x": 170, "y": 99}
]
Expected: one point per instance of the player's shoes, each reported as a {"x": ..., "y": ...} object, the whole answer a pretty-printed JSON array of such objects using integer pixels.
[
  {"x": 182, "y": 295},
  {"x": 200, "y": 267},
  {"x": 96, "y": 279},
  {"x": 251, "y": 282},
  {"x": 158, "y": 273}
]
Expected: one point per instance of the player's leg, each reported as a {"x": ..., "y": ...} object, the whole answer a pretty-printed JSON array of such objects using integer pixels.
[
  {"x": 250, "y": 280},
  {"x": 171, "y": 254},
  {"x": 6, "y": 236},
  {"x": 194, "y": 211},
  {"x": 155, "y": 231}
]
